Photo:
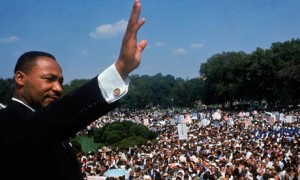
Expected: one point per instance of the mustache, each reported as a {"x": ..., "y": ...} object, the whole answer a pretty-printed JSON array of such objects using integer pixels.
[{"x": 54, "y": 95}]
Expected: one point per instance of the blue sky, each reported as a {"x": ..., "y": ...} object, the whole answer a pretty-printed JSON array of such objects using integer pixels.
[{"x": 85, "y": 35}]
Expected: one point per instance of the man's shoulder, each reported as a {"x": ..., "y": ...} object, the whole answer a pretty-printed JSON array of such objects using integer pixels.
[{"x": 13, "y": 108}]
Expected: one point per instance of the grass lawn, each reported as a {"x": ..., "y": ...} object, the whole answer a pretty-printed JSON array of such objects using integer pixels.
[{"x": 87, "y": 144}]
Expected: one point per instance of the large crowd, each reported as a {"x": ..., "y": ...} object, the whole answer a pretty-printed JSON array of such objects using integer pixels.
[{"x": 220, "y": 145}]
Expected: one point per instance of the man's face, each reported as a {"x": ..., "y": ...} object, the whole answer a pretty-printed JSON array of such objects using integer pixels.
[{"x": 43, "y": 84}]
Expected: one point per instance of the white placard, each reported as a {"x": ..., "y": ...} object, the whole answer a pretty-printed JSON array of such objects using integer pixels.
[{"x": 182, "y": 131}]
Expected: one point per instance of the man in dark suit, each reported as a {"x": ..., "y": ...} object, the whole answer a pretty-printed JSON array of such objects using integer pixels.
[{"x": 37, "y": 122}]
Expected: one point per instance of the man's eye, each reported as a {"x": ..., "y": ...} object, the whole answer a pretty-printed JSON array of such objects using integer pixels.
[{"x": 50, "y": 78}]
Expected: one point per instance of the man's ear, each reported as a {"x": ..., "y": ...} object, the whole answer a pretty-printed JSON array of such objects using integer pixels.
[{"x": 19, "y": 78}]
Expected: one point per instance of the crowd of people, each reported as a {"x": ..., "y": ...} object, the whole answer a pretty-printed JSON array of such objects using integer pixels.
[{"x": 219, "y": 145}]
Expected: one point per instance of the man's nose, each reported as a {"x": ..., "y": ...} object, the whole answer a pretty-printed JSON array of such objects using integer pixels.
[{"x": 57, "y": 87}]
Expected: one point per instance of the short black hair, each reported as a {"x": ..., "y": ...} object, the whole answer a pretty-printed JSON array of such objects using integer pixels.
[{"x": 27, "y": 60}]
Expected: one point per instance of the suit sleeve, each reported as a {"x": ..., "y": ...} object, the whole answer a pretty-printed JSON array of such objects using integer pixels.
[{"x": 76, "y": 110}]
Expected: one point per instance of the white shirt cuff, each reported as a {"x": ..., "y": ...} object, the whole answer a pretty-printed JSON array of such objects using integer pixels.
[{"x": 111, "y": 84}]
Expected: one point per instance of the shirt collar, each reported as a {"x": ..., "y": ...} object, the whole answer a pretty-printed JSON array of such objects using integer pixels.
[{"x": 18, "y": 100}]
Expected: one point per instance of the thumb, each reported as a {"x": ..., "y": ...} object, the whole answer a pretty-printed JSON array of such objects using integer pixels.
[{"x": 142, "y": 45}]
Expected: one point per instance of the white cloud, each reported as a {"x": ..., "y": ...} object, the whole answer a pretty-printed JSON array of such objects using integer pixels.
[
  {"x": 10, "y": 39},
  {"x": 159, "y": 44},
  {"x": 109, "y": 30},
  {"x": 156, "y": 45},
  {"x": 84, "y": 52},
  {"x": 179, "y": 51},
  {"x": 197, "y": 45}
]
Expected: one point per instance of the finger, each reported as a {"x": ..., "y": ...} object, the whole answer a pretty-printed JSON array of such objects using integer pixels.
[
  {"x": 139, "y": 25},
  {"x": 142, "y": 45},
  {"x": 135, "y": 14},
  {"x": 131, "y": 33}
]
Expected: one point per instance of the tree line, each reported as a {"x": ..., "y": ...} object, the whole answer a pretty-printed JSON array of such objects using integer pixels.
[{"x": 265, "y": 75}]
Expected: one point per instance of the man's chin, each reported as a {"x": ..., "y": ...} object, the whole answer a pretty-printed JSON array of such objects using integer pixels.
[{"x": 48, "y": 101}]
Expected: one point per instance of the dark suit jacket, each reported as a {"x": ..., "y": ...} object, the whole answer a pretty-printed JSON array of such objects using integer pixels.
[{"x": 32, "y": 143}]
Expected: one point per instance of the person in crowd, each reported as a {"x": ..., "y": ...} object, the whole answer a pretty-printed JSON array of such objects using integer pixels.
[
  {"x": 37, "y": 123},
  {"x": 213, "y": 153}
]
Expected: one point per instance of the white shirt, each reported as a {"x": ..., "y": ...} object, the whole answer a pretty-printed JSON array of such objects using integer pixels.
[{"x": 110, "y": 80}]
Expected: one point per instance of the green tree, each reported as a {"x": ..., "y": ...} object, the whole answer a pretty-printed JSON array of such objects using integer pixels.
[
  {"x": 286, "y": 57},
  {"x": 254, "y": 84},
  {"x": 73, "y": 85},
  {"x": 6, "y": 90},
  {"x": 224, "y": 74},
  {"x": 148, "y": 91},
  {"x": 117, "y": 133},
  {"x": 188, "y": 92}
]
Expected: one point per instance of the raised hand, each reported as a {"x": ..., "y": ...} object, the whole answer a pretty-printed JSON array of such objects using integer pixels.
[{"x": 130, "y": 53}]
